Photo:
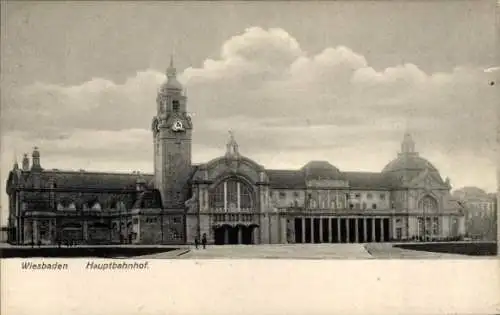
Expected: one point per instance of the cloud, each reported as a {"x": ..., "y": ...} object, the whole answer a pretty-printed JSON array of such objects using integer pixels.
[{"x": 281, "y": 100}]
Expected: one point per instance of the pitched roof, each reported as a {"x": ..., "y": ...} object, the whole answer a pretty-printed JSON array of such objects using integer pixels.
[
  {"x": 286, "y": 179},
  {"x": 296, "y": 179},
  {"x": 368, "y": 180},
  {"x": 93, "y": 180}
]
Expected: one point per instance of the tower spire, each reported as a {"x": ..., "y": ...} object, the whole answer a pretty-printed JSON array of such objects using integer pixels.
[
  {"x": 14, "y": 160},
  {"x": 171, "y": 71}
]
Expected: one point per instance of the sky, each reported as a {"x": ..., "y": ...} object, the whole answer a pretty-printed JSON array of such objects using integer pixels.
[{"x": 295, "y": 81}]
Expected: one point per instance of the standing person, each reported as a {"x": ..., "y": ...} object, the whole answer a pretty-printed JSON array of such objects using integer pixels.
[
  {"x": 196, "y": 241},
  {"x": 204, "y": 240}
]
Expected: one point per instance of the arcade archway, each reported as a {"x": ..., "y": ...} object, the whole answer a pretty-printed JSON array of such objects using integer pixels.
[{"x": 235, "y": 235}]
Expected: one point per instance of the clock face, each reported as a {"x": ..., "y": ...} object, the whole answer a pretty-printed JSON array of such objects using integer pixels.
[{"x": 177, "y": 126}]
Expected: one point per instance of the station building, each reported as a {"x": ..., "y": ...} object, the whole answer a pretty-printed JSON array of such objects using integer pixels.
[{"x": 231, "y": 199}]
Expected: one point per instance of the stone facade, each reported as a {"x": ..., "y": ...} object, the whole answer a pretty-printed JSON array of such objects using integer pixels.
[{"x": 231, "y": 199}]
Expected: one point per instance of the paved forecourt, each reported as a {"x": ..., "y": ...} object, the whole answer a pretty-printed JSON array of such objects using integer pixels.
[
  {"x": 290, "y": 251},
  {"x": 303, "y": 251}
]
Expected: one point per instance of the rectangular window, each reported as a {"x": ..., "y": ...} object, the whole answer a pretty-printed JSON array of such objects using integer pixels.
[
  {"x": 357, "y": 195},
  {"x": 282, "y": 195},
  {"x": 374, "y": 206},
  {"x": 382, "y": 196},
  {"x": 175, "y": 105},
  {"x": 369, "y": 196}
]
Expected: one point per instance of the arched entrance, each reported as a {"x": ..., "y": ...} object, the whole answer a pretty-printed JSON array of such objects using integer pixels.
[
  {"x": 221, "y": 234},
  {"x": 428, "y": 223},
  {"x": 249, "y": 234},
  {"x": 234, "y": 235}
]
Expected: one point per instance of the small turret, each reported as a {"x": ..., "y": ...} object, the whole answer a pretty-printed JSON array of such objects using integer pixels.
[
  {"x": 26, "y": 162},
  {"x": 140, "y": 183},
  {"x": 36, "y": 160},
  {"x": 408, "y": 145}
]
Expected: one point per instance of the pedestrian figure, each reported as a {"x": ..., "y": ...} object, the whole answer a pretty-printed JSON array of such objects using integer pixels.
[
  {"x": 196, "y": 241},
  {"x": 204, "y": 240}
]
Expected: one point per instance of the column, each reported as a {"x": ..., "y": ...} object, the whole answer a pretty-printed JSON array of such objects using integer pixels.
[
  {"x": 347, "y": 230},
  {"x": 373, "y": 230},
  {"x": 85, "y": 230},
  {"x": 226, "y": 236},
  {"x": 35, "y": 232},
  {"x": 238, "y": 197},
  {"x": 382, "y": 239},
  {"x": 240, "y": 235},
  {"x": 461, "y": 226},
  {"x": 303, "y": 230},
  {"x": 205, "y": 193},
  {"x": 338, "y": 230},
  {"x": 321, "y": 230},
  {"x": 330, "y": 224},
  {"x": 51, "y": 232},
  {"x": 284, "y": 228},
  {"x": 356, "y": 225},
  {"x": 225, "y": 196},
  {"x": 365, "y": 232},
  {"x": 312, "y": 230}
]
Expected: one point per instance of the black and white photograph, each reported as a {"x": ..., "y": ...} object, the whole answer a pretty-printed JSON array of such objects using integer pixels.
[{"x": 242, "y": 130}]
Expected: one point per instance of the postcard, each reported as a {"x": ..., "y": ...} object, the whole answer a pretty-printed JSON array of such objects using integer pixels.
[{"x": 168, "y": 154}]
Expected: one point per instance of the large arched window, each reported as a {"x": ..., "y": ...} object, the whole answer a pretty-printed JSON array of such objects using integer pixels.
[
  {"x": 232, "y": 195},
  {"x": 428, "y": 204}
]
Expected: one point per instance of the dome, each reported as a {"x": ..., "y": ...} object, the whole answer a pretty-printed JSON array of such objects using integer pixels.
[
  {"x": 321, "y": 170},
  {"x": 409, "y": 162}
]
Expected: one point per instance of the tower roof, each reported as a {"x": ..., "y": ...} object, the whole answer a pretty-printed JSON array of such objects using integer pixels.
[{"x": 171, "y": 84}]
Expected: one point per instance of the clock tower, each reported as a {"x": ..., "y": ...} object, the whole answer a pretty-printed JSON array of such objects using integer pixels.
[{"x": 171, "y": 129}]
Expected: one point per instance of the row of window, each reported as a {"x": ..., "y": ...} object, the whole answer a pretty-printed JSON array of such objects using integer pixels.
[
  {"x": 152, "y": 220},
  {"x": 96, "y": 206},
  {"x": 483, "y": 206},
  {"x": 233, "y": 217},
  {"x": 336, "y": 205},
  {"x": 369, "y": 196}
]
